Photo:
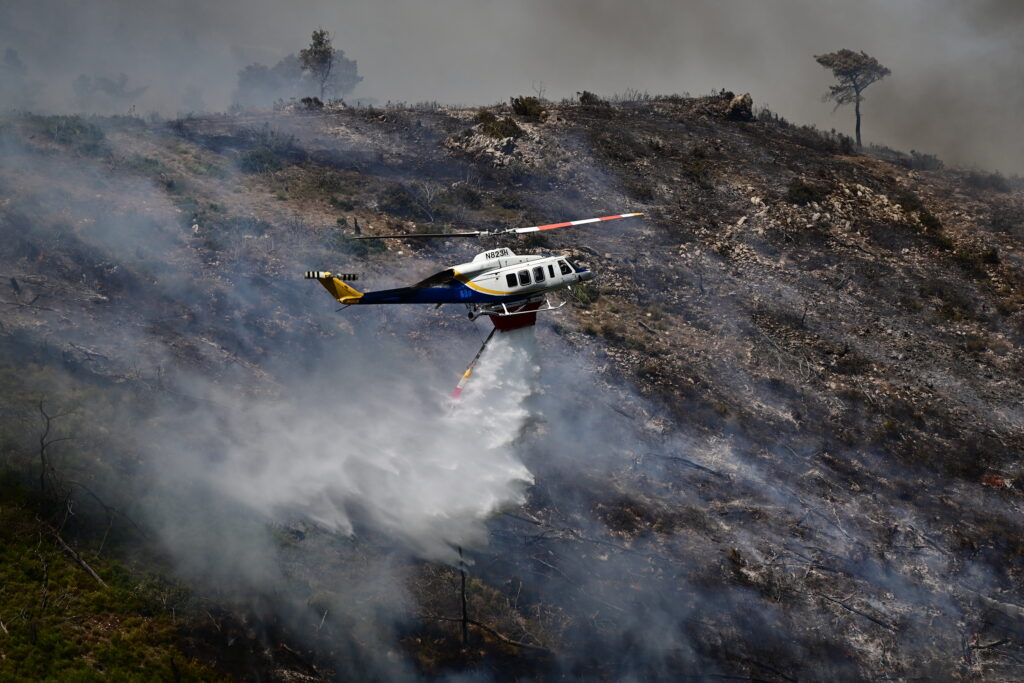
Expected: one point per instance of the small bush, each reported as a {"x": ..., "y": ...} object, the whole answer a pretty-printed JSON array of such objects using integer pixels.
[
  {"x": 312, "y": 103},
  {"x": 640, "y": 191},
  {"x": 259, "y": 160},
  {"x": 360, "y": 248},
  {"x": 932, "y": 224},
  {"x": 648, "y": 370},
  {"x": 990, "y": 256},
  {"x": 529, "y": 107},
  {"x": 915, "y": 161},
  {"x": 326, "y": 181},
  {"x": 699, "y": 172},
  {"x": 801, "y": 193},
  {"x": 988, "y": 181},
  {"x": 976, "y": 343},
  {"x": 469, "y": 197},
  {"x": 586, "y": 293},
  {"x": 499, "y": 129},
  {"x": 76, "y": 132},
  {"x": 1008, "y": 218},
  {"x": 851, "y": 364},
  {"x": 619, "y": 145},
  {"x": 911, "y": 203},
  {"x": 971, "y": 261},
  {"x": 589, "y": 99},
  {"x": 397, "y": 201},
  {"x": 141, "y": 164}
]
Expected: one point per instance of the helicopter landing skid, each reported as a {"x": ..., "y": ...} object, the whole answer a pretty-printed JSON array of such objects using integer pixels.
[{"x": 511, "y": 317}]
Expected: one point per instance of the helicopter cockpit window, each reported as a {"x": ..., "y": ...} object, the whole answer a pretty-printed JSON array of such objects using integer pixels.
[
  {"x": 524, "y": 277},
  {"x": 564, "y": 267},
  {"x": 511, "y": 279},
  {"x": 551, "y": 271},
  {"x": 538, "y": 274}
]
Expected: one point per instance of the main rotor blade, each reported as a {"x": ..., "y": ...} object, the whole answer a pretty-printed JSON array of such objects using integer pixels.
[
  {"x": 475, "y": 233},
  {"x": 487, "y": 233},
  {"x": 552, "y": 226}
]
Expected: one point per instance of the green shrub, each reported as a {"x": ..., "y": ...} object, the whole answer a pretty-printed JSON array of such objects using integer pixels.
[
  {"x": 529, "y": 107},
  {"x": 589, "y": 99},
  {"x": 141, "y": 164},
  {"x": 469, "y": 196},
  {"x": 801, "y": 193},
  {"x": 397, "y": 201},
  {"x": 499, "y": 129},
  {"x": 586, "y": 293},
  {"x": 359, "y": 248},
  {"x": 76, "y": 132},
  {"x": 259, "y": 160}
]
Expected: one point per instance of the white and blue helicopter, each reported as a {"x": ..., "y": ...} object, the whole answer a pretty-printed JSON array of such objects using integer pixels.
[{"x": 509, "y": 288}]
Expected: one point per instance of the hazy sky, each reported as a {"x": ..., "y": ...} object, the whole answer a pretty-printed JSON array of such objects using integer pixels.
[{"x": 955, "y": 88}]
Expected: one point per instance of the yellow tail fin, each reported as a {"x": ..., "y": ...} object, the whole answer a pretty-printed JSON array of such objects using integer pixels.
[{"x": 336, "y": 285}]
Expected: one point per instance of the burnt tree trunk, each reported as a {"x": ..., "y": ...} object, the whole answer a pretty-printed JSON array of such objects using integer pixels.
[
  {"x": 465, "y": 611},
  {"x": 856, "y": 109}
]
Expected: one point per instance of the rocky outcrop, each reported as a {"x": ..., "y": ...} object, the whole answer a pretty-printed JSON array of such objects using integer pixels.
[{"x": 740, "y": 108}]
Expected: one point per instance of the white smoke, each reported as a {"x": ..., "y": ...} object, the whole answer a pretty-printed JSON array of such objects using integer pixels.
[{"x": 423, "y": 472}]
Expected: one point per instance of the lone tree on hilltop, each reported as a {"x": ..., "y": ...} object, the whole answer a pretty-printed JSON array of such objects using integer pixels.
[
  {"x": 327, "y": 66},
  {"x": 295, "y": 76},
  {"x": 854, "y": 71}
]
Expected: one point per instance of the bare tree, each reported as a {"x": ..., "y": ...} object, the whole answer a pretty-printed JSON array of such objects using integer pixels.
[
  {"x": 854, "y": 71},
  {"x": 45, "y": 441},
  {"x": 425, "y": 193}
]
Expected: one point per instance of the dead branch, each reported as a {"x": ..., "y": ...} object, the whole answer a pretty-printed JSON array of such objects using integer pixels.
[
  {"x": 74, "y": 555},
  {"x": 861, "y": 613},
  {"x": 689, "y": 463},
  {"x": 30, "y": 304},
  {"x": 483, "y": 627},
  {"x": 110, "y": 510}
]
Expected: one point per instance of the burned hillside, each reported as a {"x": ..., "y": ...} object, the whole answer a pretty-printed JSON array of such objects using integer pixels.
[{"x": 777, "y": 438}]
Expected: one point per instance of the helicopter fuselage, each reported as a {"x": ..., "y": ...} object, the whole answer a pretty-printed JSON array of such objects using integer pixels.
[{"x": 493, "y": 277}]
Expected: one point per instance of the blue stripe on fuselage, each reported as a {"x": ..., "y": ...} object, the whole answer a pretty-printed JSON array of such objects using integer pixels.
[{"x": 454, "y": 293}]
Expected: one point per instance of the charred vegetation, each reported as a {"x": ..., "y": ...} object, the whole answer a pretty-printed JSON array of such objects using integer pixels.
[{"x": 793, "y": 449}]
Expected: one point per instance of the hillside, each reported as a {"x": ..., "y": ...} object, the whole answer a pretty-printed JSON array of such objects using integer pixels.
[{"x": 778, "y": 438}]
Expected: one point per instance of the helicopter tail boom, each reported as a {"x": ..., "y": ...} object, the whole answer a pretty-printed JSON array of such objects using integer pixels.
[{"x": 337, "y": 285}]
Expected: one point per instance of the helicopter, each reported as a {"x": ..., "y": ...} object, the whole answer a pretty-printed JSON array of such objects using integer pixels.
[{"x": 509, "y": 288}]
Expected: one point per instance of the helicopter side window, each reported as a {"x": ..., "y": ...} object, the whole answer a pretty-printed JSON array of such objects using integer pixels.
[
  {"x": 538, "y": 274},
  {"x": 524, "y": 277},
  {"x": 564, "y": 267},
  {"x": 511, "y": 279},
  {"x": 551, "y": 271}
]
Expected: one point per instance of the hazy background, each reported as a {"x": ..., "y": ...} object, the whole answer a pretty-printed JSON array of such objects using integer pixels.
[{"x": 955, "y": 89}]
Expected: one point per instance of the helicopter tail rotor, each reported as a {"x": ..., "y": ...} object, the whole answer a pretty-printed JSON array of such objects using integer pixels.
[{"x": 337, "y": 285}]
